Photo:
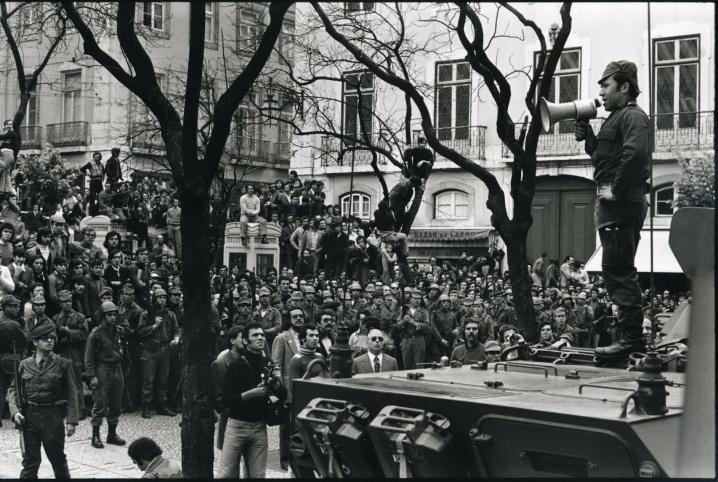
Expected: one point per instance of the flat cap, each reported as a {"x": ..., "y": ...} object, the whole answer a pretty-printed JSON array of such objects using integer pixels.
[
  {"x": 64, "y": 295},
  {"x": 492, "y": 346},
  {"x": 38, "y": 300},
  {"x": 624, "y": 67},
  {"x": 245, "y": 301},
  {"x": 41, "y": 330},
  {"x": 297, "y": 296},
  {"x": 8, "y": 300}
]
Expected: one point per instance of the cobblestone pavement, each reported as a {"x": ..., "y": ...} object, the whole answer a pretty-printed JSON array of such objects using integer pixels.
[{"x": 112, "y": 462}]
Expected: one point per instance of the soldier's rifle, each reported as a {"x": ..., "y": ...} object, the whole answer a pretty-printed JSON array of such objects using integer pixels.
[{"x": 18, "y": 399}]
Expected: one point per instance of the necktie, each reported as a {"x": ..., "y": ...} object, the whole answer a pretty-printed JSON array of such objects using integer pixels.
[{"x": 377, "y": 366}]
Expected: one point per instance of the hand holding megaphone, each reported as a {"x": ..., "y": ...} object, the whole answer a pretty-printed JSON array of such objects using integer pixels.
[{"x": 581, "y": 110}]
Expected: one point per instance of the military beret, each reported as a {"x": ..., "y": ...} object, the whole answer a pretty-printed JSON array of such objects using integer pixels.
[
  {"x": 624, "y": 67},
  {"x": 309, "y": 289},
  {"x": 265, "y": 292},
  {"x": 245, "y": 301},
  {"x": 64, "y": 295},
  {"x": 9, "y": 299},
  {"x": 38, "y": 300},
  {"x": 105, "y": 291},
  {"x": 296, "y": 296},
  {"x": 41, "y": 330},
  {"x": 492, "y": 346}
]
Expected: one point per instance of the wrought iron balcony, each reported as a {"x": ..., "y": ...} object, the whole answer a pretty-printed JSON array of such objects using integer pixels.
[
  {"x": 31, "y": 137},
  {"x": 470, "y": 141},
  {"x": 685, "y": 130},
  {"x": 69, "y": 134},
  {"x": 338, "y": 152},
  {"x": 151, "y": 140},
  {"x": 282, "y": 152}
]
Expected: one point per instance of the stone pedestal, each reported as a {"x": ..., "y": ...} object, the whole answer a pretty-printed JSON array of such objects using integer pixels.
[{"x": 254, "y": 256}]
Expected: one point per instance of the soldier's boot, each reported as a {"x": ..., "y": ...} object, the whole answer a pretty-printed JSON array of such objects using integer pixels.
[
  {"x": 163, "y": 409},
  {"x": 146, "y": 411},
  {"x": 96, "y": 440},
  {"x": 630, "y": 340},
  {"x": 112, "y": 437}
]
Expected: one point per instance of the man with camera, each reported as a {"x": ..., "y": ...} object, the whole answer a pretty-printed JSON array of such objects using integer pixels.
[
  {"x": 620, "y": 156},
  {"x": 248, "y": 384}
]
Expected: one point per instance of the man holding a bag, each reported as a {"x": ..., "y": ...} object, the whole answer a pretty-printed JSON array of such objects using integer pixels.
[{"x": 249, "y": 390}]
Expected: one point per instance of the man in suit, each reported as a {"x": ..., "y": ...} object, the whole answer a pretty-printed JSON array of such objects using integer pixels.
[
  {"x": 284, "y": 347},
  {"x": 374, "y": 360}
]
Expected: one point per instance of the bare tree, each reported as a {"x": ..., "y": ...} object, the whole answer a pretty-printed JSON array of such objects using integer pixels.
[
  {"x": 30, "y": 19},
  {"x": 467, "y": 25},
  {"x": 193, "y": 177}
]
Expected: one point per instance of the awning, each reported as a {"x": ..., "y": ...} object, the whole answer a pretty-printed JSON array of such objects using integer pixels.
[
  {"x": 663, "y": 259},
  {"x": 448, "y": 235}
]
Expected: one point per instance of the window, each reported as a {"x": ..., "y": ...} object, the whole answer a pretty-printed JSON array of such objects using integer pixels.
[
  {"x": 72, "y": 97},
  {"x": 153, "y": 15},
  {"x": 31, "y": 114},
  {"x": 663, "y": 200},
  {"x": 453, "y": 100},
  {"x": 356, "y": 84},
  {"x": 248, "y": 124},
  {"x": 353, "y": 7},
  {"x": 210, "y": 15},
  {"x": 451, "y": 205},
  {"x": 676, "y": 63},
  {"x": 248, "y": 31},
  {"x": 29, "y": 16},
  {"x": 566, "y": 83},
  {"x": 359, "y": 204},
  {"x": 285, "y": 42},
  {"x": 265, "y": 262}
]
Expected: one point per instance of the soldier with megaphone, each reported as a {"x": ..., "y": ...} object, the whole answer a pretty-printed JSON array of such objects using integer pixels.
[{"x": 620, "y": 156}]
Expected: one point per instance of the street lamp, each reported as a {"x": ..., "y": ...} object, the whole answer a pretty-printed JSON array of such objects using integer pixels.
[{"x": 553, "y": 33}]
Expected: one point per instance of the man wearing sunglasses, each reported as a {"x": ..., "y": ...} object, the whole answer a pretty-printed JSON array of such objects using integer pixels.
[
  {"x": 50, "y": 404},
  {"x": 374, "y": 360}
]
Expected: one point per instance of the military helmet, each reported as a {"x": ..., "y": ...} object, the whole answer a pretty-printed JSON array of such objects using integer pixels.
[{"x": 107, "y": 307}]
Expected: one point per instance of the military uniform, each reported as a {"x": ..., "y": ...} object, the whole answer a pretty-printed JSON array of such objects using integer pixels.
[
  {"x": 128, "y": 317},
  {"x": 154, "y": 354},
  {"x": 49, "y": 396},
  {"x": 71, "y": 338},
  {"x": 442, "y": 323},
  {"x": 12, "y": 334},
  {"x": 413, "y": 328},
  {"x": 103, "y": 359}
]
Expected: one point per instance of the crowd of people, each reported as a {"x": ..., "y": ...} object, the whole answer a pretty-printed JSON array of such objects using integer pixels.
[{"x": 114, "y": 316}]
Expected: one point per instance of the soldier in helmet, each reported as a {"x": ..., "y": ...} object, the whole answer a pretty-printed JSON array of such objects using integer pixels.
[
  {"x": 310, "y": 307},
  {"x": 71, "y": 337},
  {"x": 413, "y": 328},
  {"x": 103, "y": 367},
  {"x": 443, "y": 325},
  {"x": 157, "y": 330},
  {"x": 50, "y": 398},
  {"x": 38, "y": 316}
]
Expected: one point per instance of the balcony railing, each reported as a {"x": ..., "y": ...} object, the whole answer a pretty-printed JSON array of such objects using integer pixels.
[
  {"x": 148, "y": 140},
  {"x": 685, "y": 130},
  {"x": 31, "y": 137},
  {"x": 69, "y": 134},
  {"x": 470, "y": 142},
  {"x": 338, "y": 152}
]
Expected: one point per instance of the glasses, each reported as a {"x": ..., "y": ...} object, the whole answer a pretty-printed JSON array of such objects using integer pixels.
[
  {"x": 297, "y": 316},
  {"x": 377, "y": 338}
]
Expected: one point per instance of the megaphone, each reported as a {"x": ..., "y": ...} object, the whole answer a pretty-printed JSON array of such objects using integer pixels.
[{"x": 551, "y": 113}]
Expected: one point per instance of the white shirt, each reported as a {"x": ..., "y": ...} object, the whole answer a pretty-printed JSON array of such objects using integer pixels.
[{"x": 371, "y": 359}]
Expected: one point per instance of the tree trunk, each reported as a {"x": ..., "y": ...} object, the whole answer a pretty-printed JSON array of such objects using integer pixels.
[
  {"x": 413, "y": 210},
  {"x": 521, "y": 284},
  {"x": 198, "y": 338}
]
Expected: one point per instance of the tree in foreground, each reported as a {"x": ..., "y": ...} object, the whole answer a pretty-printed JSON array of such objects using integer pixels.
[
  {"x": 466, "y": 23},
  {"x": 696, "y": 186},
  {"x": 193, "y": 177}
]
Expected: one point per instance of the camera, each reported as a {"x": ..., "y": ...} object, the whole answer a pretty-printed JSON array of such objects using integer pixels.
[
  {"x": 516, "y": 339},
  {"x": 269, "y": 376}
]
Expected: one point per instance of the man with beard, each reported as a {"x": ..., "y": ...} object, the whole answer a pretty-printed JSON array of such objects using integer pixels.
[
  {"x": 326, "y": 332},
  {"x": 472, "y": 350}
]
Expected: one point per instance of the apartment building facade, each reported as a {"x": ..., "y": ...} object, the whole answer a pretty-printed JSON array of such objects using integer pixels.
[
  {"x": 454, "y": 216},
  {"x": 78, "y": 107}
]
